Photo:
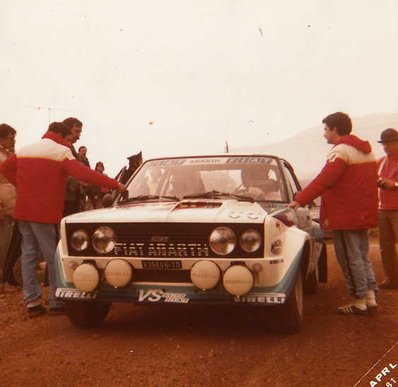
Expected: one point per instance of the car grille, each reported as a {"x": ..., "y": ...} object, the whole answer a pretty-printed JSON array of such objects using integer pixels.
[{"x": 165, "y": 240}]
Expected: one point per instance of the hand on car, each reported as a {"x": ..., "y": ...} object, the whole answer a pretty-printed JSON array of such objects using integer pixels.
[
  {"x": 294, "y": 204},
  {"x": 121, "y": 187}
]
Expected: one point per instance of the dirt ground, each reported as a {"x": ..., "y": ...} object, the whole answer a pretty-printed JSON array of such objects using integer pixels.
[{"x": 159, "y": 346}]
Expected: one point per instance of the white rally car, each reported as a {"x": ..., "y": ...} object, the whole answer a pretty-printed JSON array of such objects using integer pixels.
[{"x": 195, "y": 230}]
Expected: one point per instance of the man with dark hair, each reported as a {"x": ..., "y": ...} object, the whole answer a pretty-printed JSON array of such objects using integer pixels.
[
  {"x": 75, "y": 127},
  {"x": 82, "y": 151},
  {"x": 347, "y": 186},
  {"x": 388, "y": 207},
  {"x": 39, "y": 172},
  {"x": 7, "y": 198},
  {"x": 73, "y": 193}
]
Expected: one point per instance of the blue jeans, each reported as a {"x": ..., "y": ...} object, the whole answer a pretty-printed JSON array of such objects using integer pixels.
[
  {"x": 38, "y": 239},
  {"x": 352, "y": 248}
]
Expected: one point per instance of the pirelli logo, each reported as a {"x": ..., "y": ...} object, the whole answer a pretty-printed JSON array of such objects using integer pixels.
[{"x": 74, "y": 293}]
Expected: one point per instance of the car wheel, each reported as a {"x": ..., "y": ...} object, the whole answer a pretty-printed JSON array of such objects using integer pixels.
[
  {"x": 288, "y": 318},
  {"x": 87, "y": 314}
]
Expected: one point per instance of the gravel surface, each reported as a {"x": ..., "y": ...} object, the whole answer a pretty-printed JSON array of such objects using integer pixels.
[{"x": 202, "y": 346}]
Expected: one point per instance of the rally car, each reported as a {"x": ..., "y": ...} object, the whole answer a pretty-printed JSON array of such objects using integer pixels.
[{"x": 195, "y": 230}]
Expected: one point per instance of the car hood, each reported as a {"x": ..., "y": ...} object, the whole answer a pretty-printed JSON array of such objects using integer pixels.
[{"x": 201, "y": 211}]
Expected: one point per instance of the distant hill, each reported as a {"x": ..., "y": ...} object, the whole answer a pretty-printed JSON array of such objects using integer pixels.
[{"x": 306, "y": 151}]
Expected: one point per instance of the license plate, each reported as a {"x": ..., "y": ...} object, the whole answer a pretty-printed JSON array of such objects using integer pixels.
[{"x": 162, "y": 265}]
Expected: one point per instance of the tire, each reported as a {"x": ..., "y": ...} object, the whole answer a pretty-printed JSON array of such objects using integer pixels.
[
  {"x": 288, "y": 318},
  {"x": 87, "y": 314}
]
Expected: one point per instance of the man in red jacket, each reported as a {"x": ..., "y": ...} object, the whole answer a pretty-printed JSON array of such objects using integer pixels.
[
  {"x": 388, "y": 207},
  {"x": 347, "y": 186},
  {"x": 39, "y": 171}
]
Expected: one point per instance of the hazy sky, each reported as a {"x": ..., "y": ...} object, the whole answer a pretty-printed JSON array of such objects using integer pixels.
[{"x": 178, "y": 77}]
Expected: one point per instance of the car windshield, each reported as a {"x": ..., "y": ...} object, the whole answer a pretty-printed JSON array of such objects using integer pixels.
[{"x": 238, "y": 177}]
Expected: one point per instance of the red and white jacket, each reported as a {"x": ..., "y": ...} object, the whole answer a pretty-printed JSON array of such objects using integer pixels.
[
  {"x": 39, "y": 171},
  {"x": 347, "y": 186},
  {"x": 388, "y": 169}
]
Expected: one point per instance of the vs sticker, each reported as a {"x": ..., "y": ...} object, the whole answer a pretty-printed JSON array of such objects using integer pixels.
[{"x": 158, "y": 295}]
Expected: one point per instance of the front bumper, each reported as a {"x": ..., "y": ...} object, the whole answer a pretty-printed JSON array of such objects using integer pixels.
[{"x": 141, "y": 293}]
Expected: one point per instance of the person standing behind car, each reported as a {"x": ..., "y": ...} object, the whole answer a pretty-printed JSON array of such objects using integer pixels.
[
  {"x": 73, "y": 194},
  {"x": 388, "y": 207},
  {"x": 39, "y": 172},
  {"x": 347, "y": 185},
  {"x": 82, "y": 151},
  {"x": 98, "y": 192},
  {"x": 7, "y": 198}
]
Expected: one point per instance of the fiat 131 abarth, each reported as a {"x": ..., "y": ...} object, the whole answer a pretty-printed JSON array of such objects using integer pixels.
[{"x": 195, "y": 230}]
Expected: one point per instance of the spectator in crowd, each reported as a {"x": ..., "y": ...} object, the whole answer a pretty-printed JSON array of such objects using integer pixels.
[
  {"x": 87, "y": 201},
  {"x": 349, "y": 208},
  {"x": 39, "y": 172},
  {"x": 83, "y": 156},
  {"x": 98, "y": 192},
  {"x": 125, "y": 173},
  {"x": 388, "y": 207},
  {"x": 74, "y": 191},
  {"x": 7, "y": 198}
]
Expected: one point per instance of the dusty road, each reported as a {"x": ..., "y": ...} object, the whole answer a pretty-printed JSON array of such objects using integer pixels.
[{"x": 155, "y": 346}]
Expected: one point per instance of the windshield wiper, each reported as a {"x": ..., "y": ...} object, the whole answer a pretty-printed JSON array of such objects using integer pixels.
[
  {"x": 216, "y": 194},
  {"x": 144, "y": 198}
]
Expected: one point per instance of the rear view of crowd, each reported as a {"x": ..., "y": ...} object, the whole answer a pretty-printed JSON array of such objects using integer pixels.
[{"x": 35, "y": 178}]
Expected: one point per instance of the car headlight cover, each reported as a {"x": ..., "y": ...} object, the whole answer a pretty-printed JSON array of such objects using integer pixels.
[
  {"x": 79, "y": 240},
  {"x": 104, "y": 240},
  {"x": 86, "y": 277},
  {"x": 222, "y": 240},
  {"x": 250, "y": 241}
]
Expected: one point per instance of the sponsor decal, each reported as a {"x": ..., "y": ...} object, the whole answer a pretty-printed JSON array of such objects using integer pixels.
[
  {"x": 74, "y": 293},
  {"x": 158, "y": 295},
  {"x": 276, "y": 261},
  {"x": 161, "y": 249},
  {"x": 263, "y": 298},
  {"x": 248, "y": 160}
]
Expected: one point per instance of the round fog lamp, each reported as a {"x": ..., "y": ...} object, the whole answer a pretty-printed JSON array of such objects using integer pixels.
[
  {"x": 222, "y": 240},
  {"x": 79, "y": 240},
  {"x": 118, "y": 273},
  {"x": 104, "y": 240},
  {"x": 250, "y": 241},
  {"x": 86, "y": 277},
  {"x": 238, "y": 280},
  {"x": 205, "y": 275}
]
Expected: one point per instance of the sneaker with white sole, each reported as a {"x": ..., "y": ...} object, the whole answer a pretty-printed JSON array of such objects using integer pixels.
[{"x": 351, "y": 309}]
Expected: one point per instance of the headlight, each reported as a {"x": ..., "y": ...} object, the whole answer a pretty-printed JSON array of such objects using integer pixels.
[
  {"x": 79, "y": 240},
  {"x": 222, "y": 240},
  {"x": 250, "y": 241},
  {"x": 104, "y": 240}
]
